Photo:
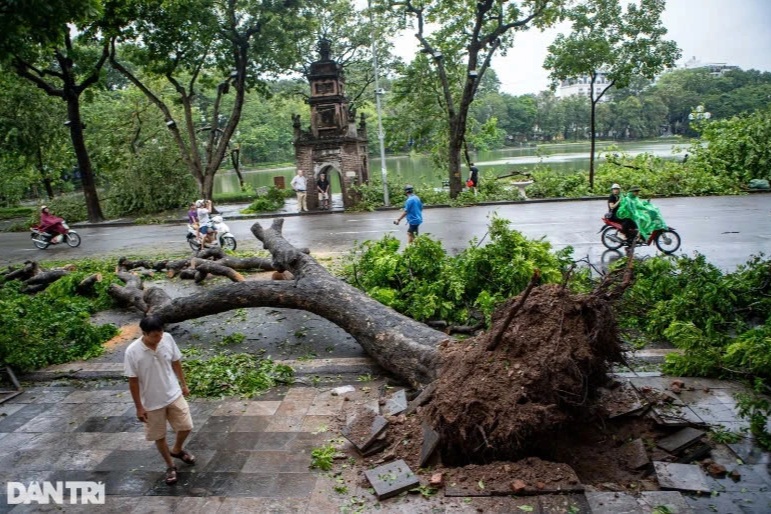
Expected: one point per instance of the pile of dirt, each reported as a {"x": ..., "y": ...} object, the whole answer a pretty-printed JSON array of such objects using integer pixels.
[{"x": 500, "y": 404}]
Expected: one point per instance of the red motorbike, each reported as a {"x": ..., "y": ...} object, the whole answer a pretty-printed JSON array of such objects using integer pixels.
[
  {"x": 42, "y": 238},
  {"x": 667, "y": 240}
]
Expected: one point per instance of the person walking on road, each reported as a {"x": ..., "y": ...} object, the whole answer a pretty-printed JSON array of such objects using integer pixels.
[
  {"x": 158, "y": 388},
  {"x": 413, "y": 211},
  {"x": 299, "y": 184}
]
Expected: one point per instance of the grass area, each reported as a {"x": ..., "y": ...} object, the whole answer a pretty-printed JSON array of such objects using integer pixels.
[{"x": 7, "y": 213}]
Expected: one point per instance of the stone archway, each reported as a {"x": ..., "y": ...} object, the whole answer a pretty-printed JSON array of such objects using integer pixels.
[{"x": 331, "y": 170}]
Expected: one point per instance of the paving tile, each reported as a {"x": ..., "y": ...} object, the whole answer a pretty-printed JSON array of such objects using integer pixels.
[
  {"x": 214, "y": 484},
  {"x": 317, "y": 424},
  {"x": 613, "y": 503},
  {"x": 681, "y": 477},
  {"x": 275, "y": 440},
  {"x": 48, "y": 423},
  {"x": 294, "y": 485},
  {"x": 277, "y": 461},
  {"x": 262, "y": 408},
  {"x": 242, "y": 505},
  {"x": 156, "y": 505},
  {"x": 78, "y": 459},
  {"x": 226, "y": 460},
  {"x": 18, "y": 441},
  {"x": 564, "y": 503},
  {"x": 680, "y": 439},
  {"x": 326, "y": 405},
  {"x": 282, "y": 505},
  {"x": 231, "y": 408},
  {"x": 672, "y": 500},
  {"x": 147, "y": 458},
  {"x": 22, "y": 416},
  {"x": 251, "y": 424},
  {"x": 6, "y": 409},
  {"x": 279, "y": 423},
  {"x": 50, "y": 396},
  {"x": 396, "y": 403},
  {"x": 183, "y": 486},
  {"x": 391, "y": 479},
  {"x": 111, "y": 424},
  {"x": 106, "y": 440},
  {"x": 133, "y": 482},
  {"x": 112, "y": 504},
  {"x": 208, "y": 505},
  {"x": 219, "y": 424},
  {"x": 306, "y": 441},
  {"x": 301, "y": 393},
  {"x": 636, "y": 454},
  {"x": 293, "y": 408},
  {"x": 253, "y": 485},
  {"x": 23, "y": 460}
]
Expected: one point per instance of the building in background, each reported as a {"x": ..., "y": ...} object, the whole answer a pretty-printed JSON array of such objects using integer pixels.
[
  {"x": 582, "y": 87},
  {"x": 716, "y": 69}
]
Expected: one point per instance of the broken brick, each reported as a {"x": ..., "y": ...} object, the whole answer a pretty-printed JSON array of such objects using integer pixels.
[
  {"x": 436, "y": 479},
  {"x": 716, "y": 470},
  {"x": 518, "y": 486}
]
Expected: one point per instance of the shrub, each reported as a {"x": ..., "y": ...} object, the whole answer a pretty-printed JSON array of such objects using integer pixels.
[
  {"x": 272, "y": 200},
  {"x": 52, "y": 327},
  {"x": 238, "y": 374}
]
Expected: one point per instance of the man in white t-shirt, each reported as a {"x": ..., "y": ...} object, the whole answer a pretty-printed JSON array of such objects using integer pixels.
[
  {"x": 152, "y": 365},
  {"x": 300, "y": 185}
]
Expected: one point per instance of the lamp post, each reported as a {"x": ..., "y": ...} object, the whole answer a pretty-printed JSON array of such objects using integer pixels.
[{"x": 379, "y": 93}]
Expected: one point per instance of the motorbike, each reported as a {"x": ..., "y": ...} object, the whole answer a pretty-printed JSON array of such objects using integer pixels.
[
  {"x": 224, "y": 239},
  {"x": 43, "y": 239},
  {"x": 667, "y": 240}
]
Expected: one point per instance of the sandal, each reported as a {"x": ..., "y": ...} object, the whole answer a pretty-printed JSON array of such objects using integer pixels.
[
  {"x": 185, "y": 456},
  {"x": 171, "y": 475}
]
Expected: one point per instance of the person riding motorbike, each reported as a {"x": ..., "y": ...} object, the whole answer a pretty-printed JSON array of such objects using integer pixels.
[
  {"x": 204, "y": 208},
  {"x": 52, "y": 224},
  {"x": 629, "y": 227}
]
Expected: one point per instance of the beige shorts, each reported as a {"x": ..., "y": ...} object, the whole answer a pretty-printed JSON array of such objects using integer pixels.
[
  {"x": 176, "y": 413},
  {"x": 323, "y": 196}
]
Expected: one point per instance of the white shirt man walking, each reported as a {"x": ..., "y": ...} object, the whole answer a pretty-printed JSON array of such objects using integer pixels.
[
  {"x": 158, "y": 388},
  {"x": 299, "y": 184}
]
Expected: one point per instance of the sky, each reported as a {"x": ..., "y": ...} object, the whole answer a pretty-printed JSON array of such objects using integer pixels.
[{"x": 736, "y": 32}]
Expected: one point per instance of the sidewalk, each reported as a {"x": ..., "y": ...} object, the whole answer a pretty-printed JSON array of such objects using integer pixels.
[{"x": 254, "y": 456}]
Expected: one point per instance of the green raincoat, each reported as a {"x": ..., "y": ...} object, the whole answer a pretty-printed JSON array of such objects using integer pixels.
[{"x": 643, "y": 213}]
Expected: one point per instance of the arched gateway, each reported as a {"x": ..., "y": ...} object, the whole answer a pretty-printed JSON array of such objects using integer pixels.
[{"x": 333, "y": 143}]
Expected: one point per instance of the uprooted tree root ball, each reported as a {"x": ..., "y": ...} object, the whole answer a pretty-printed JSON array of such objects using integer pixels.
[{"x": 503, "y": 403}]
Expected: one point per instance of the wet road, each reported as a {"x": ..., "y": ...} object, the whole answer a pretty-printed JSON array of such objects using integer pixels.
[{"x": 726, "y": 229}]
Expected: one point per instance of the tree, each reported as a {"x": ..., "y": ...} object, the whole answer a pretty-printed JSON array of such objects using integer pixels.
[
  {"x": 468, "y": 36},
  {"x": 208, "y": 45},
  {"x": 612, "y": 43},
  {"x": 58, "y": 47},
  {"x": 31, "y": 134}
]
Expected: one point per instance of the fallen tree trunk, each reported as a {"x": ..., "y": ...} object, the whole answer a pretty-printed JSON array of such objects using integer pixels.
[{"x": 399, "y": 344}]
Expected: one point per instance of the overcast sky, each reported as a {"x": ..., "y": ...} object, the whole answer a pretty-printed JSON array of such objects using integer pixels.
[{"x": 736, "y": 32}]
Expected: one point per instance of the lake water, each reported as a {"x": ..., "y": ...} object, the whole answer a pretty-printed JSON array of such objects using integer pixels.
[{"x": 418, "y": 169}]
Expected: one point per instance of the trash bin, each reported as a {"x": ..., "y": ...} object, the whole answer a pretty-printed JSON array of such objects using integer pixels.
[{"x": 279, "y": 183}]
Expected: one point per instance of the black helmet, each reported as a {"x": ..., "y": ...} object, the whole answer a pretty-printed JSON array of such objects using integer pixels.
[{"x": 408, "y": 189}]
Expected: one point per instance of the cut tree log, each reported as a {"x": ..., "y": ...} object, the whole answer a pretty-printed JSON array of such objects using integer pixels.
[
  {"x": 399, "y": 344},
  {"x": 86, "y": 286}
]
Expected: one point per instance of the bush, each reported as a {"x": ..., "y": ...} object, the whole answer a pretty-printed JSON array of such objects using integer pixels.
[
  {"x": 656, "y": 176},
  {"x": 52, "y": 327},
  {"x": 425, "y": 283},
  {"x": 15, "y": 212},
  {"x": 238, "y": 374},
  {"x": 272, "y": 200},
  {"x": 736, "y": 147}
]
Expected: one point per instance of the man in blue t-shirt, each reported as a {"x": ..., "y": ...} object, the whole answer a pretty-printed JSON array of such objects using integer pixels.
[{"x": 413, "y": 210}]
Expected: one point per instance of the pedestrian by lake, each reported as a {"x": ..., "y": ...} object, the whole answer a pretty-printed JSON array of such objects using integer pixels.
[
  {"x": 322, "y": 187},
  {"x": 413, "y": 211},
  {"x": 473, "y": 177},
  {"x": 153, "y": 366},
  {"x": 299, "y": 184}
]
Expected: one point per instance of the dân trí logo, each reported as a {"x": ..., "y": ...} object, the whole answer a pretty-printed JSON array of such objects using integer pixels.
[{"x": 44, "y": 493}]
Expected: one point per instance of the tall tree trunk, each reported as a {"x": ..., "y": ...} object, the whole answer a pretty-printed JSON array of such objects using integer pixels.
[
  {"x": 399, "y": 344},
  {"x": 592, "y": 122},
  {"x": 207, "y": 188},
  {"x": 454, "y": 158},
  {"x": 84, "y": 161}
]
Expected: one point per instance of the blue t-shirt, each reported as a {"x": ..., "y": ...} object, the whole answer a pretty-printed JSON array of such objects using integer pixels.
[{"x": 414, "y": 209}]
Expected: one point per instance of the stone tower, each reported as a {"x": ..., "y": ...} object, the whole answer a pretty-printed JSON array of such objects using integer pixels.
[{"x": 334, "y": 142}]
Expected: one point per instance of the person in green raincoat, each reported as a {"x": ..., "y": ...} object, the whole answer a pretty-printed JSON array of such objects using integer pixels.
[{"x": 646, "y": 217}]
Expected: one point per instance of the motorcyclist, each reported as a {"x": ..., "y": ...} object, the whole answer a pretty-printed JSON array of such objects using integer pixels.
[{"x": 52, "y": 224}]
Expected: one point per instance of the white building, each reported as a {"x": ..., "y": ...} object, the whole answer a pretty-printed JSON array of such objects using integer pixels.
[
  {"x": 582, "y": 86},
  {"x": 716, "y": 69}
]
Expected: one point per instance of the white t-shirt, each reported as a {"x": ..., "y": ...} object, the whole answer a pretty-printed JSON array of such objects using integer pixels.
[
  {"x": 158, "y": 385},
  {"x": 299, "y": 183},
  {"x": 203, "y": 215}
]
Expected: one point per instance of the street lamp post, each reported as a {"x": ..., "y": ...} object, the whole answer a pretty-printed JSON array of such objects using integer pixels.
[{"x": 379, "y": 93}]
